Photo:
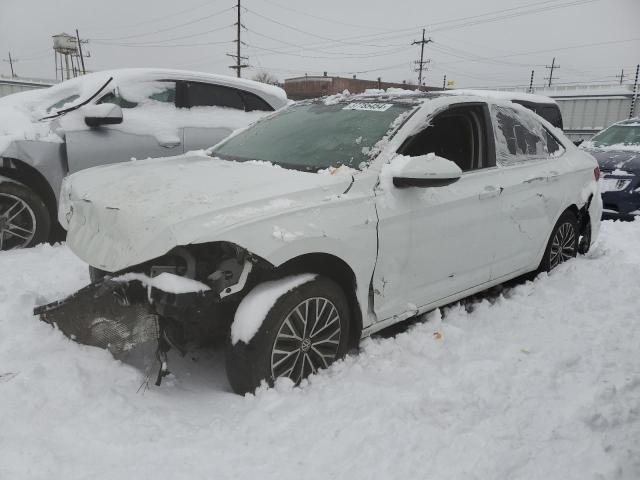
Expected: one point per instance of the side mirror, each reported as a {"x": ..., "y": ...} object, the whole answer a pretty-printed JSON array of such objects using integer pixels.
[
  {"x": 424, "y": 171},
  {"x": 103, "y": 114},
  {"x": 577, "y": 143}
]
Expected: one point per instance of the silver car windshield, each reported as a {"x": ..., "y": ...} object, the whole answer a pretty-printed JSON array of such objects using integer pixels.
[{"x": 314, "y": 136}]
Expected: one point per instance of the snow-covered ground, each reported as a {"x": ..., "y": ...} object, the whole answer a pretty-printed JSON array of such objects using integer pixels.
[{"x": 540, "y": 382}]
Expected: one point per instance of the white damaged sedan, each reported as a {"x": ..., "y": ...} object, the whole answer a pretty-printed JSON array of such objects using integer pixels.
[{"x": 330, "y": 220}]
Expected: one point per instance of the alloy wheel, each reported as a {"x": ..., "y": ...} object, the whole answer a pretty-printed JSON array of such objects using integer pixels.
[
  {"x": 17, "y": 222},
  {"x": 308, "y": 339},
  {"x": 563, "y": 245}
]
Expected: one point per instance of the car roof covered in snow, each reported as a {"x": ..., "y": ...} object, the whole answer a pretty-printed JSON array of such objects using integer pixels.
[
  {"x": 502, "y": 95},
  {"x": 87, "y": 84},
  {"x": 376, "y": 95},
  {"x": 630, "y": 122}
]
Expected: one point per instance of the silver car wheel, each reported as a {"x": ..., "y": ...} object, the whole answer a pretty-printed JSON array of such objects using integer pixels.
[
  {"x": 17, "y": 222},
  {"x": 308, "y": 339},
  {"x": 563, "y": 245}
]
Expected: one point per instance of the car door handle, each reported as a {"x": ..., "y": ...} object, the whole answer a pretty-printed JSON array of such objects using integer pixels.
[
  {"x": 534, "y": 180},
  {"x": 490, "y": 192},
  {"x": 169, "y": 144}
]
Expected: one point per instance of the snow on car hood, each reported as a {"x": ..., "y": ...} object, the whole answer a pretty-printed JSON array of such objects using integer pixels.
[
  {"x": 19, "y": 121},
  {"x": 125, "y": 214},
  {"x": 610, "y": 159}
]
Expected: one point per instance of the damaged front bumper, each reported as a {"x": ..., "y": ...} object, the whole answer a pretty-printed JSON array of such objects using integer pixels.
[
  {"x": 106, "y": 314},
  {"x": 165, "y": 305}
]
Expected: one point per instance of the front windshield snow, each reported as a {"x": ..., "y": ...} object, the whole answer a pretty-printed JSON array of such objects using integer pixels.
[{"x": 315, "y": 136}]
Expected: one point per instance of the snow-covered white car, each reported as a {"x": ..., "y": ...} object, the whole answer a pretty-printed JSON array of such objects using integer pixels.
[
  {"x": 332, "y": 219},
  {"x": 109, "y": 117}
]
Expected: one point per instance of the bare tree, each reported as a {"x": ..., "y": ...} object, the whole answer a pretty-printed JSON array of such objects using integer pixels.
[{"x": 265, "y": 77}]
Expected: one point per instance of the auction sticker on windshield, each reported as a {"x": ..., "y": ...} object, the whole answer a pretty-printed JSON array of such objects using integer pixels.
[{"x": 371, "y": 107}]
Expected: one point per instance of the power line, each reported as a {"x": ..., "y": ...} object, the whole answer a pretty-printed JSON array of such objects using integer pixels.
[
  {"x": 551, "y": 67},
  {"x": 156, "y": 19},
  {"x": 154, "y": 42},
  {"x": 133, "y": 45},
  {"x": 422, "y": 62},
  {"x": 514, "y": 12},
  {"x": 238, "y": 56},
  {"x": 325, "y": 19},
  {"x": 340, "y": 54},
  {"x": 11, "y": 61},
  {"x": 167, "y": 29}
]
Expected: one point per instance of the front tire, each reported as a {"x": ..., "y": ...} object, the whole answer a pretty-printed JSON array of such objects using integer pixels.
[
  {"x": 307, "y": 329},
  {"x": 563, "y": 243},
  {"x": 24, "y": 218}
]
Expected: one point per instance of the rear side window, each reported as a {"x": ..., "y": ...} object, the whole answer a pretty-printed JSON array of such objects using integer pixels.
[
  {"x": 253, "y": 102},
  {"x": 520, "y": 137},
  {"x": 207, "y": 95},
  {"x": 552, "y": 115}
]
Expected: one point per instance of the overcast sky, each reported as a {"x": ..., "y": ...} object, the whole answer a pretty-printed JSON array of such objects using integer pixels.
[{"x": 475, "y": 43}]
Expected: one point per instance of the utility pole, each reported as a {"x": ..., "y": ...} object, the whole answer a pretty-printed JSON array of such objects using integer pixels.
[
  {"x": 621, "y": 76},
  {"x": 531, "y": 82},
  {"x": 239, "y": 65},
  {"x": 552, "y": 68},
  {"x": 634, "y": 99},
  {"x": 422, "y": 62},
  {"x": 11, "y": 62},
  {"x": 80, "y": 51}
]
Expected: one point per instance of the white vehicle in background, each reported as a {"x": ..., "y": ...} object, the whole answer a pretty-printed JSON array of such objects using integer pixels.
[
  {"x": 108, "y": 117},
  {"x": 323, "y": 223}
]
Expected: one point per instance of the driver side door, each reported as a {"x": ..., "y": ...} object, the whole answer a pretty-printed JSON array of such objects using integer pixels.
[{"x": 436, "y": 242}]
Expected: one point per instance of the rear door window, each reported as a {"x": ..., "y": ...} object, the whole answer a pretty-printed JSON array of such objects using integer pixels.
[
  {"x": 253, "y": 102},
  {"x": 520, "y": 137},
  {"x": 552, "y": 115},
  {"x": 208, "y": 95}
]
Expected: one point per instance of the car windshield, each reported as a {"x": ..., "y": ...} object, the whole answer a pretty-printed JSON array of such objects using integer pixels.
[
  {"x": 314, "y": 136},
  {"x": 623, "y": 135}
]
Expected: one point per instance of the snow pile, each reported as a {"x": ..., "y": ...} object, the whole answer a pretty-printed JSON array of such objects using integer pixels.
[
  {"x": 540, "y": 381},
  {"x": 167, "y": 282},
  {"x": 254, "y": 308},
  {"x": 17, "y": 123}
]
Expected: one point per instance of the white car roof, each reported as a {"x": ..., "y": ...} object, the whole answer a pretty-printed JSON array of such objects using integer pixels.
[
  {"x": 504, "y": 95},
  {"x": 90, "y": 83}
]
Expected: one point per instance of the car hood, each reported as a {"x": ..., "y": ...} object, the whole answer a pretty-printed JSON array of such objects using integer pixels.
[
  {"x": 125, "y": 214},
  {"x": 17, "y": 123},
  {"x": 608, "y": 160}
]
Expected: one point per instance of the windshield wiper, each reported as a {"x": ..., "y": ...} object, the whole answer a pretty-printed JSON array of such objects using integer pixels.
[{"x": 81, "y": 104}]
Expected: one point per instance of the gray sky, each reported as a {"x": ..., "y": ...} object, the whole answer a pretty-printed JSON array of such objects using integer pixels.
[{"x": 473, "y": 43}]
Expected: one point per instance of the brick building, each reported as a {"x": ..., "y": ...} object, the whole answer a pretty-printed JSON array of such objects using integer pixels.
[{"x": 317, "y": 86}]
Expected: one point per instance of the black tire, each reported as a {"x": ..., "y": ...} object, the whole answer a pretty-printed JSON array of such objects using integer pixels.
[
  {"x": 24, "y": 218},
  {"x": 563, "y": 242},
  {"x": 249, "y": 364}
]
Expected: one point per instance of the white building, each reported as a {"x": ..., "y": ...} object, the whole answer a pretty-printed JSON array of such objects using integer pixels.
[{"x": 10, "y": 85}]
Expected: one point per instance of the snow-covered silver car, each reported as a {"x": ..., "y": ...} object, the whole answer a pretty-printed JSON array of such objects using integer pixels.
[
  {"x": 332, "y": 219},
  {"x": 109, "y": 117}
]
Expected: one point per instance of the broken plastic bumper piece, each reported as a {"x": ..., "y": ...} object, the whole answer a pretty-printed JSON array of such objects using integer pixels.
[{"x": 105, "y": 314}]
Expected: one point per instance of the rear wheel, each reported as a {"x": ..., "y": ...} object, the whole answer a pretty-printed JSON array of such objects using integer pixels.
[
  {"x": 24, "y": 218},
  {"x": 563, "y": 244},
  {"x": 306, "y": 330}
]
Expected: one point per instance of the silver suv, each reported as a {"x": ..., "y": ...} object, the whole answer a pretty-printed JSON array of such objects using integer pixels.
[{"x": 109, "y": 117}]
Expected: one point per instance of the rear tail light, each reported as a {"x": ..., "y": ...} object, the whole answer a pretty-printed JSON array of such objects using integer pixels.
[{"x": 596, "y": 173}]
